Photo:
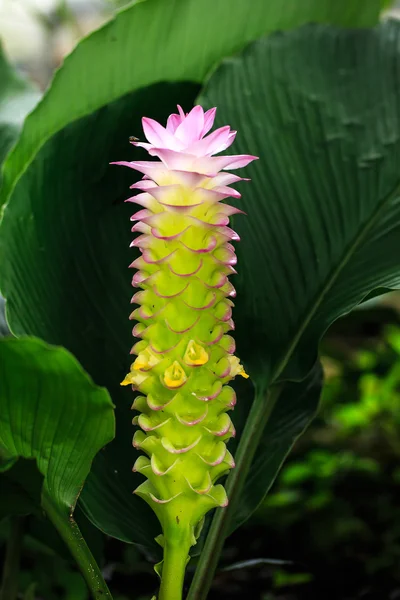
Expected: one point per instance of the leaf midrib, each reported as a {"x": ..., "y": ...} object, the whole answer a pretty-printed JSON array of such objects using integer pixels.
[{"x": 359, "y": 239}]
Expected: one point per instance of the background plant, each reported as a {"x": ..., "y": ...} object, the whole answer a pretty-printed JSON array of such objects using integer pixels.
[{"x": 319, "y": 106}]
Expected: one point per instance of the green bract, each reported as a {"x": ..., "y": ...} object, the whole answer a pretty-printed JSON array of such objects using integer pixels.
[{"x": 185, "y": 357}]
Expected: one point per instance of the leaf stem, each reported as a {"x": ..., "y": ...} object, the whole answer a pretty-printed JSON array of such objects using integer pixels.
[
  {"x": 70, "y": 533},
  {"x": 9, "y": 586},
  {"x": 256, "y": 421}
]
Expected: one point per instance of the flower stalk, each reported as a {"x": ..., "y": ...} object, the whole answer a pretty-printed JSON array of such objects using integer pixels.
[{"x": 185, "y": 355}]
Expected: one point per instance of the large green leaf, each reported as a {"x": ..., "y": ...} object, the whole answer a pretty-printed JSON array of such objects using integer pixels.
[
  {"x": 163, "y": 40},
  {"x": 293, "y": 413},
  {"x": 17, "y": 98},
  {"x": 52, "y": 412},
  {"x": 64, "y": 241},
  {"x": 319, "y": 106},
  {"x": 297, "y": 406}
]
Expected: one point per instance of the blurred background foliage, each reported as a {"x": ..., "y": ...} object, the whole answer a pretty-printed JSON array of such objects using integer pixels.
[
  {"x": 330, "y": 528},
  {"x": 37, "y": 34}
]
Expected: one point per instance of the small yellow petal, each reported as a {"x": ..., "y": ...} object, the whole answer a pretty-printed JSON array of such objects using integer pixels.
[
  {"x": 146, "y": 360},
  {"x": 236, "y": 367},
  {"x": 128, "y": 379},
  {"x": 195, "y": 354},
  {"x": 137, "y": 365},
  {"x": 134, "y": 378},
  {"x": 243, "y": 373},
  {"x": 174, "y": 376}
]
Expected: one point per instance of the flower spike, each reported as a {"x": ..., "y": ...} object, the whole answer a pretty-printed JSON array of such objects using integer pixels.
[{"x": 185, "y": 356}]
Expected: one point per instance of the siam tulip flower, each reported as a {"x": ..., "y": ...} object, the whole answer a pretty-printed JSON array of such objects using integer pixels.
[{"x": 185, "y": 356}]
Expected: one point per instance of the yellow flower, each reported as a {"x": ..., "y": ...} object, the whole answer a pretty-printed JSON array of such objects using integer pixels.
[
  {"x": 174, "y": 376},
  {"x": 134, "y": 378},
  {"x": 195, "y": 354},
  {"x": 236, "y": 367},
  {"x": 146, "y": 360}
]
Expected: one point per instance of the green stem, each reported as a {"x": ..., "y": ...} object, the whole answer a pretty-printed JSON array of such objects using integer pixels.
[
  {"x": 70, "y": 533},
  {"x": 254, "y": 428},
  {"x": 176, "y": 551},
  {"x": 9, "y": 586}
]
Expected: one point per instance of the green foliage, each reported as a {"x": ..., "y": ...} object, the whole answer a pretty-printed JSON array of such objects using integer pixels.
[
  {"x": 337, "y": 459},
  {"x": 319, "y": 106},
  {"x": 291, "y": 415},
  {"x": 373, "y": 418},
  {"x": 40, "y": 387},
  {"x": 52, "y": 412},
  {"x": 328, "y": 175},
  {"x": 165, "y": 40},
  {"x": 329, "y": 184},
  {"x": 284, "y": 579},
  {"x": 93, "y": 231}
]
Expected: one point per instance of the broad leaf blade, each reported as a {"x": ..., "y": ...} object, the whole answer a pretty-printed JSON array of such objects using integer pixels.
[
  {"x": 319, "y": 106},
  {"x": 297, "y": 406},
  {"x": 52, "y": 412},
  {"x": 174, "y": 40}
]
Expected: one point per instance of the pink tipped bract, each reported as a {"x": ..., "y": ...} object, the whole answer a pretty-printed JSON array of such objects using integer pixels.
[{"x": 183, "y": 144}]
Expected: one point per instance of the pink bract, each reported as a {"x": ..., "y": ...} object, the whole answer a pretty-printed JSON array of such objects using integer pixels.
[{"x": 183, "y": 145}]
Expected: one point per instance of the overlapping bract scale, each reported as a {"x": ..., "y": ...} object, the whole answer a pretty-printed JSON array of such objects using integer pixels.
[{"x": 185, "y": 354}]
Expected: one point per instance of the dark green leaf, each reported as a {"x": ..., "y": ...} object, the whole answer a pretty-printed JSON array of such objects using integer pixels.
[
  {"x": 319, "y": 106},
  {"x": 295, "y": 409},
  {"x": 51, "y": 411}
]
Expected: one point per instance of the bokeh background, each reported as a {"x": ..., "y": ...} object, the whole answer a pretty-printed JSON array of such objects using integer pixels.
[{"x": 330, "y": 528}]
